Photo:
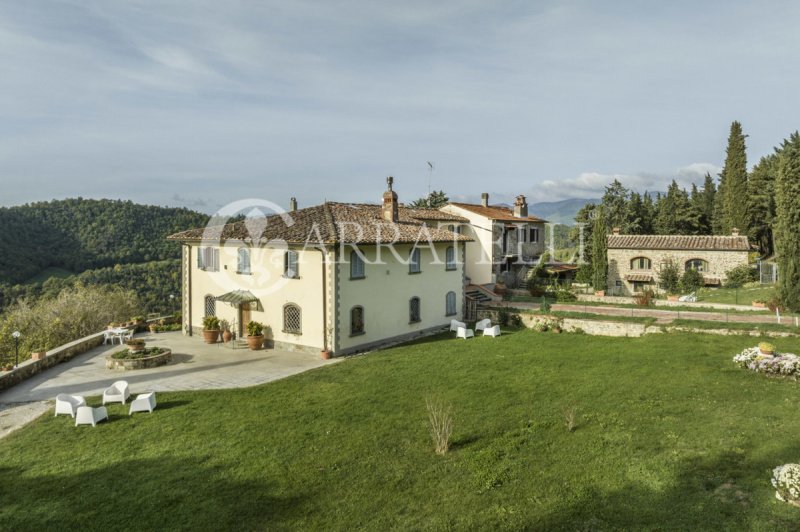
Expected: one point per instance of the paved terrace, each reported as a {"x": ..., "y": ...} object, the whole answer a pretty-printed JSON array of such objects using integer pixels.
[{"x": 195, "y": 366}]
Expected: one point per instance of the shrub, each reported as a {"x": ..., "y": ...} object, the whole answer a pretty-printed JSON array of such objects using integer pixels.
[
  {"x": 785, "y": 365},
  {"x": 210, "y": 323},
  {"x": 545, "y": 305},
  {"x": 691, "y": 281},
  {"x": 570, "y": 417},
  {"x": 440, "y": 423},
  {"x": 502, "y": 316},
  {"x": 739, "y": 276},
  {"x": 255, "y": 328},
  {"x": 515, "y": 321},
  {"x": 565, "y": 294},
  {"x": 669, "y": 277}
]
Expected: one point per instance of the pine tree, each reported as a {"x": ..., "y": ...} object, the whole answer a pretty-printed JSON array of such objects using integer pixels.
[
  {"x": 761, "y": 202},
  {"x": 583, "y": 229},
  {"x": 635, "y": 216},
  {"x": 675, "y": 214},
  {"x": 649, "y": 214},
  {"x": 599, "y": 250},
  {"x": 735, "y": 172},
  {"x": 787, "y": 226},
  {"x": 615, "y": 203},
  {"x": 434, "y": 200}
]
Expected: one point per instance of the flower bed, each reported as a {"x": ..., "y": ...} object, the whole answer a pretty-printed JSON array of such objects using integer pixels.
[
  {"x": 779, "y": 364},
  {"x": 147, "y": 358},
  {"x": 786, "y": 480}
]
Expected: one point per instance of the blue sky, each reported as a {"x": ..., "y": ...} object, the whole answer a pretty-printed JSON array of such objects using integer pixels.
[{"x": 203, "y": 103}]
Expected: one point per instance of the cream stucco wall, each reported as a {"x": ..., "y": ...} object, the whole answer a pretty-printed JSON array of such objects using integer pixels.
[
  {"x": 387, "y": 288},
  {"x": 619, "y": 265},
  {"x": 268, "y": 284},
  {"x": 486, "y": 251}
]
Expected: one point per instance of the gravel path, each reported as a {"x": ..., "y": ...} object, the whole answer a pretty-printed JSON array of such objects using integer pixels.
[{"x": 17, "y": 415}]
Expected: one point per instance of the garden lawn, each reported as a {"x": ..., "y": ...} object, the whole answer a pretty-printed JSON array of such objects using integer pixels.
[
  {"x": 736, "y": 296},
  {"x": 670, "y": 435}
]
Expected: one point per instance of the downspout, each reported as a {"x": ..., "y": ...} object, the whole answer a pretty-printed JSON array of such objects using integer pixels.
[{"x": 188, "y": 296}]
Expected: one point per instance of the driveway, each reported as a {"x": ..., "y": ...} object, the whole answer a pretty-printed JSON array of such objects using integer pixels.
[{"x": 195, "y": 366}]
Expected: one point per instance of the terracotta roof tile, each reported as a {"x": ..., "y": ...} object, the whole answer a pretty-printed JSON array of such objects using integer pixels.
[
  {"x": 496, "y": 213},
  {"x": 330, "y": 223},
  {"x": 679, "y": 242}
]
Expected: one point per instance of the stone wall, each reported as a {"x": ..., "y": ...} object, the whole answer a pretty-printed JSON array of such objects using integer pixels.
[
  {"x": 63, "y": 353},
  {"x": 619, "y": 265},
  {"x": 625, "y": 300}
]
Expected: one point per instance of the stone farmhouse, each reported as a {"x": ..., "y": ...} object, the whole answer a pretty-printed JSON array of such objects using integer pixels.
[
  {"x": 634, "y": 260},
  {"x": 503, "y": 242},
  {"x": 337, "y": 276}
]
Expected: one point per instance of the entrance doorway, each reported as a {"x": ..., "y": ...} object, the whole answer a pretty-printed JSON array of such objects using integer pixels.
[{"x": 244, "y": 319}]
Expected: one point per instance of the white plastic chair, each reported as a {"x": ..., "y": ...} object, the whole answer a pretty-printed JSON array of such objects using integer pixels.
[
  {"x": 116, "y": 393},
  {"x": 455, "y": 324},
  {"x": 492, "y": 331},
  {"x": 144, "y": 402},
  {"x": 464, "y": 333},
  {"x": 127, "y": 335},
  {"x": 90, "y": 416},
  {"x": 108, "y": 335},
  {"x": 483, "y": 324},
  {"x": 691, "y": 298},
  {"x": 68, "y": 404}
]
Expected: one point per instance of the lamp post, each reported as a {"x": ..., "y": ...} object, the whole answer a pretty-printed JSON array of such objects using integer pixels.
[
  {"x": 16, "y": 336},
  {"x": 172, "y": 302}
]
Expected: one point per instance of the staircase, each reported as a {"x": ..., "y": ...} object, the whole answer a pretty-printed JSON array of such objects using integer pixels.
[{"x": 477, "y": 295}]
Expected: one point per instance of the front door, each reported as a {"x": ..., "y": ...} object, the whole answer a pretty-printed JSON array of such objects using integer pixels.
[{"x": 244, "y": 319}]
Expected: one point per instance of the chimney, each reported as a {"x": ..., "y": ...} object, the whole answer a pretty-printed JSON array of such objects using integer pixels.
[
  {"x": 389, "y": 208},
  {"x": 520, "y": 207},
  {"x": 292, "y": 204},
  {"x": 735, "y": 231},
  {"x": 615, "y": 231},
  {"x": 485, "y": 199}
]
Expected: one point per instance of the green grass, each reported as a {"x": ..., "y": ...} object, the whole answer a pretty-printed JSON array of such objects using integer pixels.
[
  {"x": 47, "y": 273},
  {"x": 671, "y": 435},
  {"x": 731, "y": 325},
  {"x": 733, "y": 296}
]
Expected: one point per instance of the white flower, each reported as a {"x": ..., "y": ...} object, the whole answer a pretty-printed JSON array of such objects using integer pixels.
[{"x": 786, "y": 480}]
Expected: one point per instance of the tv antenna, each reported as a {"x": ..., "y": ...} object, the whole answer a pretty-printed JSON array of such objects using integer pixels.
[{"x": 430, "y": 171}]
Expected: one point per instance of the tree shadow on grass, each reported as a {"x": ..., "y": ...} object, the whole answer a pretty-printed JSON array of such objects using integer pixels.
[
  {"x": 155, "y": 494},
  {"x": 729, "y": 491}
]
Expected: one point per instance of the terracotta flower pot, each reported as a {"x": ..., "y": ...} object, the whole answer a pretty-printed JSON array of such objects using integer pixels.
[
  {"x": 255, "y": 342},
  {"x": 325, "y": 354},
  {"x": 211, "y": 337},
  {"x": 227, "y": 336},
  {"x": 600, "y": 293},
  {"x": 673, "y": 297},
  {"x": 38, "y": 355}
]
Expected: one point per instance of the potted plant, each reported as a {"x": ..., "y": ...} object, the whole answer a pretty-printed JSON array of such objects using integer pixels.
[
  {"x": 211, "y": 329},
  {"x": 673, "y": 297},
  {"x": 325, "y": 352},
  {"x": 766, "y": 348},
  {"x": 600, "y": 293},
  {"x": 255, "y": 335},
  {"x": 227, "y": 335},
  {"x": 38, "y": 354},
  {"x": 153, "y": 328},
  {"x": 759, "y": 303},
  {"x": 135, "y": 344}
]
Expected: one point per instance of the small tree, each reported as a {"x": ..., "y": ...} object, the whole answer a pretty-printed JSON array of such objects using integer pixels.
[
  {"x": 739, "y": 276},
  {"x": 692, "y": 280},
  {"x": 669, "y": 276}
]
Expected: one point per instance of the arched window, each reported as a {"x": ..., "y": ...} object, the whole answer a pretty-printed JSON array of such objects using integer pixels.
[
  {"x": 697, "y": 264},
  {"x": 450, "y": 304},
  {"x": 450, "y": 258},
  {"x": 414, "y": 310},
  {"x": 292, "y": 319},
  {"x": 357, "y": 320},
  {"x": 413, "y": 261},
  {"x": 640, "y": 263},
  {"x": 243, "y": 262},
  {"x": 356, "y": 266},
  {"x": 210, "y": 306}
]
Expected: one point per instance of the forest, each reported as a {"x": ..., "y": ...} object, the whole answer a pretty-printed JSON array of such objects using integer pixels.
[{"x": 92, "y": 242}]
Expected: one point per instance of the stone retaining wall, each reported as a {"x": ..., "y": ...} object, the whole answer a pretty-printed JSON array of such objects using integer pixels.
[
  {"x": 620, "y": 300},
  {"x": 29, "y": 368}
]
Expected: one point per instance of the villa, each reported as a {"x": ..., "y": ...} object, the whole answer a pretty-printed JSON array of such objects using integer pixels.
[{"x": 337, "y": 277}]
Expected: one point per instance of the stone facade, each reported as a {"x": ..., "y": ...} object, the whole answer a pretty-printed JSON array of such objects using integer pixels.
[{"x": 628, "y": 275}]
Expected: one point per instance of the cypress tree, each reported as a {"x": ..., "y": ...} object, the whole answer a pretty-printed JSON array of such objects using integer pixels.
[
  {"x": 599, "y": 250},
  {"x": 720, "y": 211},
  {"x": 735, "y": 172},
  {"x": 649, "y": 214},
  {"x": 709, "y": 193},
  {"x": 787, "y": 226},
  {"x": 761, "y": 202}
]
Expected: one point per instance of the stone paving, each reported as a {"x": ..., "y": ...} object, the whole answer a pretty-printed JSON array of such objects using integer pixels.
[{"x": 194, "y": 366}]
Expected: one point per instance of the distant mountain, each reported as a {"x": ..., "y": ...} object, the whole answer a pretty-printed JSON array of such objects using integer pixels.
[
  {"x": 560, "y": 212},
  {"x": 81, "y": 234}
]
